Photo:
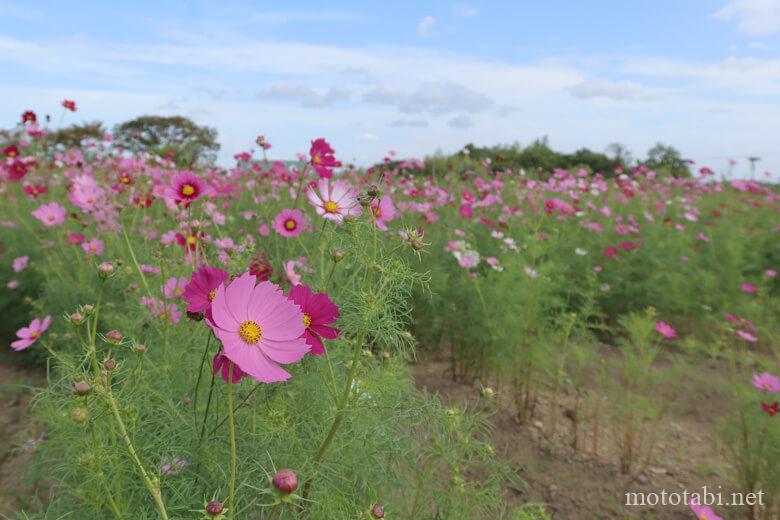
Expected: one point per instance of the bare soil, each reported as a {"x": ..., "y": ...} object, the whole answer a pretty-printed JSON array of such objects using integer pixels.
[{"x": 584, "y": 484}]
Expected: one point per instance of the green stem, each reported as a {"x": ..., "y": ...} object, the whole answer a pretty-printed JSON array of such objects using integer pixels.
[
  {"x": 152, "y": 486},
  {"x": 200, "y": 373},
  {"x": 232, "y": 425}
]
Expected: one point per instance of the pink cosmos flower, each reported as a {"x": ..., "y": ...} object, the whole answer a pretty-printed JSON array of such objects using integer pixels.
[
  {"x": 334, "y": 202},
  {"x": 767, "y": 382},
  {"x": 748, "y": 288},
  {"x": 747, "y": 336},
  {"x": 185, "y": 187},
  {"x": 322, "y": 158},
  {"x": 164, "y": 311},
  {"x": 93, "y": 246},
  {"x": 384, "y": 211},
  {"x": 202, "y": 288},
  {"x": 318, "y": 312},
  {"x": 259, "y": 327},
  {"x": 289, "y": 222},
  {"x": 221, "y": 364},
  {"x": 174, "y": 287},
  {"x": 770, "y": 273},
  {"x": 610, "y": 252},
  {"x": 29, "y": 335},
  {"x": 13, "y": 284},
  {"x": 51, "y": 214},
  {"x": 75, "y": 238},
  {"x": 703, "y": 512},
  {"x": 20, "y": 263},
  {"x": 665, "y": 330}
]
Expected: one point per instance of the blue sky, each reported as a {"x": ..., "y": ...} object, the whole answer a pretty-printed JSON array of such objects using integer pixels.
[{"x": 702, "y": 75}]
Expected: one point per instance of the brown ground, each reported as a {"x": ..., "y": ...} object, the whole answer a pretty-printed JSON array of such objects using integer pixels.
[
  {"x": 582, "y": 485},
  {"x": 17, "y": 433}
]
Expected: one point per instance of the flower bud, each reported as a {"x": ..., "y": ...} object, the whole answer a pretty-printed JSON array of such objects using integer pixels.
[
  {"x": 88, "y": 309},
  {"x": 82, "y": 388},
  {"x": 338, "y": 255},
  {"x": 105, "y": 269},
  {"x": 110, "y": 364},
  {"x": 139, "y": 347},
  {"x": 285, "y": 481},
  {"x": 79, "y": 415},
  {"x": 195, "y": 316},
  {"x": 215, "y": 508},
  {"x": 76, "y": 318},
  {"x": 114, "y": 336},
  {"x": 377, "y": 511}
]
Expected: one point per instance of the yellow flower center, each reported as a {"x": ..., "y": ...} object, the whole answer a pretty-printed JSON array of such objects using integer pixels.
[
  {"x": 290, "y": 224},
  {"x": 34, "y": 334},
  {"x": 377, "y": 212},
  {"x": 125, "y": 180},
  {"x": 250, "y": 332},
  {"x": 704, "y": 516},
  {"x": 191, "y": 240},
  {"x": 316, "y": 159},
  {"x": 331, "y": 207},
  {"x": 187, "y": 190},
  {"x": 50, "y": 218},
  {"x": 212, "y": 295},
  {"x": 766, "y": 385},
  {"x": 306, "y": 321}
]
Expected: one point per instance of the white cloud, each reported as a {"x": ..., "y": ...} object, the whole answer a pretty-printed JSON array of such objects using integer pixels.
[
  {"x": 465, "y": 11},
  {"x": 409, "y": 123},
  {"x": 460, "y": 122},
  {"x": 368, "y": 136},
  {"x": 433, "y": 98},
  {"x": 306, "y": 96},
  {"x": 287, "y": 17},
  {"x": 427, "y": 26},
  {"x": 753, "y": 17},
  {"x": 616, "y": 90}
]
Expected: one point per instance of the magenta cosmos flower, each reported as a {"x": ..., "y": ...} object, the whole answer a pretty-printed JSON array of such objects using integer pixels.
[
  {"x": 767, "y": 382},
  {"x": 202, "y": 288},
  {"x": 185, "y": 187},
  {"x": 221, "y": 365},
  {"x": 93, "y": 246},
  {"x": 703, "y": 512},
  {"x": 29, "y": 335},
  {"x": 259, "y": 327},
  {"x": 322, "y": 158},
  {"x": 665, "y": 330},
  {"x": 384, "y": 211},
  {"x": 289, "y": 222},
  {"x": 51, "y": 214},
  {"x": 318, "y": 313},
  {"x": 334, "y": 202}
]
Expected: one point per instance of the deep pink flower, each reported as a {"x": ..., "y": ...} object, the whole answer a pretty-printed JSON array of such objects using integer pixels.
[
  {"x": 466, "y": 211},
  {"x": 69, "y": 104},
  {"x": 334, "y": 201},
  {"x": 384, "y": 211},
  {"x": 202, "y": 288},
  {"x": 748, "y": 288},
  {"x": 767, "y": 382},
  {"x": 93, "y": 246},
  {"x": 318, "y": 312},
  {"x": 665, "y": 330},
  {"x": 185, "y": 187},
  {"x": 29, "y": 335},
  {"x": 628, "y": 246},
  {"x": 51, "y": 214},
  {"x": 259, "y": 327},
  {"x": 771, "y": 409},
  {"x": 703, "y": 512},
  {"x": 221, "y": 364},
  {"x": 75, "y": 238},
  {"x": 322, "y": 158},
  {"x": 610, "y": 252},
  {"x": 289, "y": 222}
]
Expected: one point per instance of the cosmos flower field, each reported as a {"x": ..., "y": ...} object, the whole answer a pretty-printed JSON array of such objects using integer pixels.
[{"x": 236, "y": 342}]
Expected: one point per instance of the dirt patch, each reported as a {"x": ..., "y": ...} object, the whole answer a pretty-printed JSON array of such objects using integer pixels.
[
  {"x": 19, "y": 436},
  {"x": 584, "y": 484}
]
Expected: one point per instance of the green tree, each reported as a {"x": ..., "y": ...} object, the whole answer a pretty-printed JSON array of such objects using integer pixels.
[
  {"x": 666, "y": 160},
  {"x": 72, "y": 136},
  {"x": 187, "y": 141}
]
